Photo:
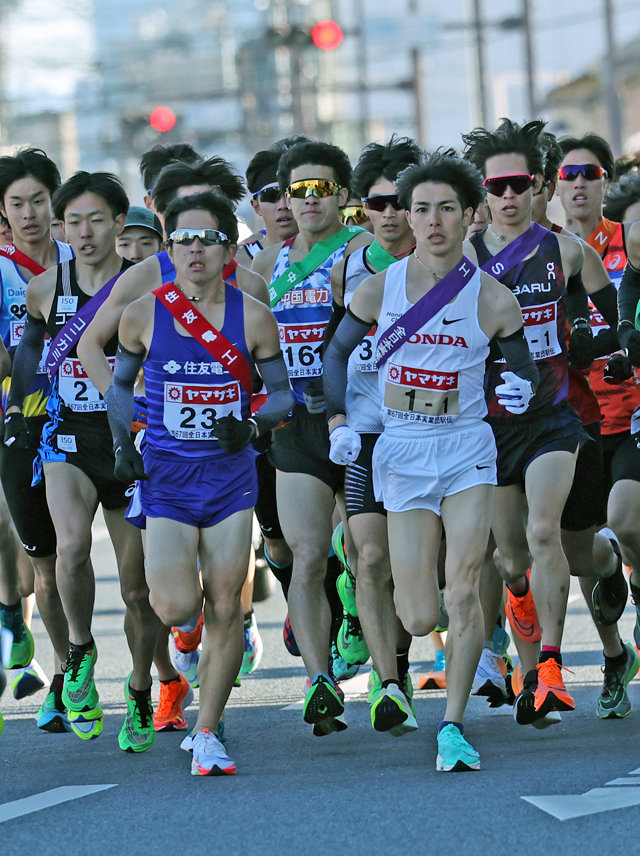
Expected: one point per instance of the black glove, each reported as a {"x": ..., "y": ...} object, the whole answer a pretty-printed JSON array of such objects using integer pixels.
[
  {"x": 314, "y": 396},
  {"x": 632, "y": 344},
  {"x": 234, "y": 434},
  {"x": 129, "y": 465},
  {"x": 618, "y": 369},
  {"x": 16, "y": 431},
  {"x": 635, "y": 426},
  {"x": 580, "y": 344}
]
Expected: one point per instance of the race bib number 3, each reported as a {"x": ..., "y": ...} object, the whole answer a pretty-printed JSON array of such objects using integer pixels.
[
  {"x": 301, "y": 346},
  {"x": 420, "y": 395},
  {"x": 191, "y": 410},
  {"x": 76, "y": 390},
  {"x": 364, "y": 357},
  {"x": 541, "y": 330}
]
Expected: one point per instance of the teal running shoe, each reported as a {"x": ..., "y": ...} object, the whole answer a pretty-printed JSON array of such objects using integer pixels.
[
  {"x": 79, "y": 690},
  {"x": 52, "y": 716},
  {"x": 614, "y": 701},
  {"x": 455, "y": 754},
  {"x": 138, "y": 731},
  {"x": 440, "y": 662},
  {"x": 339, "y": 668},
  {"x": 87, "y": 724},
  {"x": 352, "y": 646},
  {"x": 22, "y": 647}
]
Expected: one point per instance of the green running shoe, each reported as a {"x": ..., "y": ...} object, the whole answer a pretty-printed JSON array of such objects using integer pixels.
[
  {"x": 455, "y": 754},
  {"x": 392, "y": 711},
  {"x": 138, "y": 732},
  {"x": 22, "y": 646},
  {"x": 614, "y": 701},
  {"x": 374, "y": 685},
  {"x": 352, "y": 646},
  {"x": 324, "y": 706},
  {"x": 86, "y": 724},
  {"x": 345, "y": 584},
  {"x": 52, "y": 715},
  {"x": 79, "y": 690}
]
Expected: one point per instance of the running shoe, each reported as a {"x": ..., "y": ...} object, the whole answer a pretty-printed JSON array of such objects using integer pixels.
[
  {"x": 338, "y": 666},
  {"x": 551, "y": 693},
  {"x": 79, "y": 691},
  {"x": 443, "y": 615},
  {"x": 500, "y": 640},
  {"x": 437, "y": 679},
  {"x": 289, "y": 639},
  {"x": 138, "y": 732},
  {"x": 252, "y": 647},
  {"x": 345, "y": 583},
  {"x": 455, "y": 754},
  {"x": 440, "y": 661},
  {"x": 22, "y": 647},
  {"x": 174, "y": 697},
  {"x": 324, "y": 706},
  {"x": 27, "y": 681},
  {"x": 87, "y": 724},
  {"x": 352, "y": 646},
  {"x": 489, "y": 679},
  {"x": 523, "y": 705},
  {"x": 392, "y": 711},
  {"x": 187, "y": 742},
  {"x": 374, "y": 685},
  {"x": 614, "y": 701},
  {"x": 188, "y": 640},
  {"x": 522, "y": 615},
  {"x": 609, "y": 595},
  {"x": 52, "y": 715},
  {"x": 185, "y": 662},
  {"x": 209, "y": 757}
]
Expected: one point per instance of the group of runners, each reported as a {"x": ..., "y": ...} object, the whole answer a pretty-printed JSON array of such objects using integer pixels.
[{"x": 422, "y": 387}]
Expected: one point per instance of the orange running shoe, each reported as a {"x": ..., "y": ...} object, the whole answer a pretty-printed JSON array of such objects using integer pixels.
[
  {"x": 522, "y": 615},
  {"x": 188, "y": 640},
  {"x": 173, "y": 696},
  {"x": 551, "y": 693},
  {"x": 433, "y": 681},
  {"x": 517, "y": 680}
]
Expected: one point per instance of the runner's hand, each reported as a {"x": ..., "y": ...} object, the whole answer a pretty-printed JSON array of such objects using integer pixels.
[
  {"x": 16, "y": 431},
  {"x": 233, "y": 433},
  {"x": 129, "y": 465},
  {"x": 515, "y": 393},
  {"x": 580, "y": 345},
  {"x": 618, "y": 369},
  {"x": 314, "y": 396},
  {"x": 344, "y": 444}
]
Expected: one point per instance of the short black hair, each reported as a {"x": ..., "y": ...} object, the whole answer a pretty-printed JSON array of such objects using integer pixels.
[
  {"x": 621, "y": 196},
  {"x": 387, "y": 160},
  {"x": 598, "y": 147},
  {"x": 263, "y": 166},
  {"x": 315, "y": 152},
  {"x": 509, "y": 138},
  {"x": 28, "y": 162},
  {"x": 216, "y": 203},
  {"x": 552, "y": 155},
  {"x": 154, "y": 161},
  {"x": 213, "y": 172},
  {"x": 103, "y": 184},
  {"x": 444, "y": 166}
]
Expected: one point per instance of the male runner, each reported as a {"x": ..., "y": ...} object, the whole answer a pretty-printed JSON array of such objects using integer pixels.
[
  {"x": 200, "y": 483},
  {"x": 315, "y": 177},
  {"x": 434, "y": 465},
  {"x": 154, "y": 161},
  {"x": 142, "y": 235}
]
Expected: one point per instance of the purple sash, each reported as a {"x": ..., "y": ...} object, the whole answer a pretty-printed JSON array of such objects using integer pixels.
[
  {"x": 423, "y": 311},
  {"x": 515, "y": 252},
  {"x": 69, "y": 335}
]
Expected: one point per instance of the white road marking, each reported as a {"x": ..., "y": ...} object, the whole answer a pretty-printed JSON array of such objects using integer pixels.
[
  {"x": 37, "y": 802},
  {"x": 568, "y": 806}
]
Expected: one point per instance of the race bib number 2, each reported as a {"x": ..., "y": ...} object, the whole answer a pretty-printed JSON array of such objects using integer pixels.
[
  {"x": 191, "y": 410},
  {"x": 76, "y": 390}
]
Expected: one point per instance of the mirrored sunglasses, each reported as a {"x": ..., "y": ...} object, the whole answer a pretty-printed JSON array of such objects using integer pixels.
[
  {"x": 518, "y": 183},
  {"x": 271, "y": 193},
  {"x": 355, "y": 213},
  {"x": 589, "y": 171},
  {"x": 207, "y": 237},
  {"x": 319, "y": 187}
]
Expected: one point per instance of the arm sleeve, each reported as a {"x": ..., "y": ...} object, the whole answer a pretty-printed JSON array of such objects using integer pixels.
[
  {"x": 26, "y": 359},
  {"x": 350, "y": 333},
  {"x": 280, "y": 400},
  {"x": 515, "y": 350},
  {"x": 628, "y": 297},
  {"x": 337, "y": 314},
  {"x": 606, "y": 302},
  {"x": 119, "y": 397},
  {"x": 576, "y": 301}
]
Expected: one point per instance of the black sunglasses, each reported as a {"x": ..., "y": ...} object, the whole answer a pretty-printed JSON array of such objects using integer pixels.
[
  {"x": 518, "y": 183},
  {"x": 379, "y": 203}
]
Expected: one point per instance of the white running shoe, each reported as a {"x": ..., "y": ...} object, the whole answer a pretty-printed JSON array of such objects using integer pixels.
[
  {"x": 209, "y": 757},
  {"x": 489, "y": 677}
]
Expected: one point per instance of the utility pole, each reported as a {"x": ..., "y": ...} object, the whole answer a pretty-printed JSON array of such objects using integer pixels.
[
  {"x": 418, "y": 92},
  {"x": 612, "y": 101},
  {"x": 532, "y": 103},
  {"x": 477, "y": 27}
]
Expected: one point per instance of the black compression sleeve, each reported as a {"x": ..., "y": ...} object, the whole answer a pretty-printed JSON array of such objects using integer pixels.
[
  {"x": 515, "y": 350},
  {"x": 629, "y": 294},
  {"x": 606, "y": 302},
  {"x": 350, "y": 333},
  {"x": 337, "y": 314},
  {"x": 280, "y": 400},
  {"x": 119, "y": 396},
  {"x": 26, "y": 359},
  {"x": 576, "y": 300}
]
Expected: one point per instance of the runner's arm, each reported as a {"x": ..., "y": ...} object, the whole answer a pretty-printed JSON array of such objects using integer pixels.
[
  {"x": 629, "y": 295},
  {"x": 5, "y": 362},
  {"x": 25, "y": 361},
  {"x": 351, "y": 331}
]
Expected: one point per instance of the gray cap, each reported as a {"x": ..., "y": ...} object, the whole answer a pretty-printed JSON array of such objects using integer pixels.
[{"x": 139, "y": 216}]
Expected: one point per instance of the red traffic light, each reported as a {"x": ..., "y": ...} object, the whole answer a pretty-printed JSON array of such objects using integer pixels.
[
  {"x": 162, "y": 119},
  {"x": 327, "y": 35}
]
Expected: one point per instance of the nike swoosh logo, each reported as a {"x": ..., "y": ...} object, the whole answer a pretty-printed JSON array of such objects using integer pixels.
[
  {"x": 482, "y": 468},
  {"x": 452, "y": 321}
]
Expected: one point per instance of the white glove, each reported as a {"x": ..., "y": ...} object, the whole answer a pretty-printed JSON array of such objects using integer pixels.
[
  {"x": 345, "y": 445},
  {"x": 515, "y": 393}
]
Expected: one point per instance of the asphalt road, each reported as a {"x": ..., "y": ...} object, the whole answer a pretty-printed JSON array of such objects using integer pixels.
[{"x": 358, "y": 792}]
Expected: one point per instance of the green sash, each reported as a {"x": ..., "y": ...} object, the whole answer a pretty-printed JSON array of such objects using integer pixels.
[
  {"x": 378, "y": 257},
  {"x": 299, "y": 271}
]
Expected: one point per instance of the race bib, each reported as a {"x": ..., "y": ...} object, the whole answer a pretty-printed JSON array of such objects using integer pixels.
[
  {"x": 364, "y": 357},
  {"x": 301, "y": 346},
  {"x": 77, "y": 390},
  {"x": 541, "y": 330},
  {"x": 420, "y": 395},
  {"x": 66, "y": 443},
  {"x": 191, "y": 410},
  {"x": 67, "y": 304}
]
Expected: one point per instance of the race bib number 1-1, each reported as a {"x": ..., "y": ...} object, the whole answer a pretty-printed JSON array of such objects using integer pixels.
[{"x": 420, "y": 395}]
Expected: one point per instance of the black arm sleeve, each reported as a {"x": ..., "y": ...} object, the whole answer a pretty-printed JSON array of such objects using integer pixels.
[
  {"x": 337, "y": 314},
  {"x": 606, "y": 302},
  {"x": 280, "y": 400},
  {"x": 629, "y": 294},
  {"x": 26, "y": 359},
  {"x": 119, "y": 396},
  {"x": 576, "y": 301},
  {"x": 350, "y": 333},
  {"x": 515, "y": 350}
]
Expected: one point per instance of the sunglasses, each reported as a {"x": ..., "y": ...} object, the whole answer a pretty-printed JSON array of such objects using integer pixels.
[
  {"x": 271, "y": 193},
  {"x": 379, "y": 203},
  {"x": 319, "y": 187},
  {"x": 518, "y": 183},
  {"x": 355, "y": 213},
  {"x": 589, "y": 171},
  {"x": 207, "y": 237}
]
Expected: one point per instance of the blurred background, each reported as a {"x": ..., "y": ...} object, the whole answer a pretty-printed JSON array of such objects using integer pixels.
[{"x": 97, "y": 82}]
